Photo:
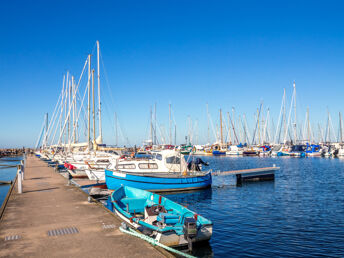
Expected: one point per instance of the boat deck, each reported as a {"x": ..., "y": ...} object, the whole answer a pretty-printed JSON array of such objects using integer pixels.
[{"x": 52, "y": 219}]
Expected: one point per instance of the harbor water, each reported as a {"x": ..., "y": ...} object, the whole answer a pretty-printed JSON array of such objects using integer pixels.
[
  {"x": 300, "y": 214},
  {"x": 7, "y": 174}
]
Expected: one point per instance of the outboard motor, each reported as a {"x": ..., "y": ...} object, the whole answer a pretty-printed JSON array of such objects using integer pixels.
[
  {"x": 196, "y": 164},
  {"x": 190, "y": 230}
]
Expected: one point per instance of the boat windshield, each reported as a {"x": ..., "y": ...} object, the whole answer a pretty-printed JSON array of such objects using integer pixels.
[{"x": 173, "y": 160}]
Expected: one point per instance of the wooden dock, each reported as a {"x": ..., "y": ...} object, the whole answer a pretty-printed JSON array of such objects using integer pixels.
[
  {"x": 253, "y": 174},
  {"x": 52, "y": 219}
]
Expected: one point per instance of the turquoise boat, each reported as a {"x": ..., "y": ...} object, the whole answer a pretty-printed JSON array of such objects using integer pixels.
[{"x": 167, "y": 222}]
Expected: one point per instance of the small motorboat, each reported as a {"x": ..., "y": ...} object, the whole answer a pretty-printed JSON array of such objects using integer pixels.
[
  {"x": 159, "y": 182},
  {"x": 153, "y": 215},
  {"x": 251, "y": 152}
]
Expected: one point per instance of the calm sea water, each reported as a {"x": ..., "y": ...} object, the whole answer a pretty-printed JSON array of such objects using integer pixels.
[
  {"x": 7, "y": 174},
  {"x": 300, "y": 214}
]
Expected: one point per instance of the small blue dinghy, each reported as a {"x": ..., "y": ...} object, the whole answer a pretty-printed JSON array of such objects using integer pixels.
[{"x": 167, "y": 222}]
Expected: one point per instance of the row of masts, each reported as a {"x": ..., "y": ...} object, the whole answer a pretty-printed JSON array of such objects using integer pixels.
[
  {"x": 232, "y": 130},
  {"x": 66, "y": 121},
  {"x": 68, "y": 111}
]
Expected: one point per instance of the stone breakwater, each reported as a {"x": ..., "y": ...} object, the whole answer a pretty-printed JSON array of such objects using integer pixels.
[{"x": 11, "y": 152}]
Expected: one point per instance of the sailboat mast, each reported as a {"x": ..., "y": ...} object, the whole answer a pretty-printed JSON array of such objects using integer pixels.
[
  {"x": 99, "y": 102},
  {"x": 295, "y": 132},
  {"x": 221, "y": 126},
  {"x": 340, "y": 128},
  {"x": 69, "y": 106},
  {"x": 170, "y": 122},
  {"x": 74, "y": 110},
  {"x": 229, "y": 129},
  {"x": 284, "y": 116},
  {"x": 46, "y": 130},
  {"x": 116, "y": 131},
  {"x": 93, "y": 113},
  {"x": 65, "y": 105},
  {"x": 258, "y": 131},
  {"x": 151, "y": 125},
  {"x": 89, "y": 102},
  {"x": 208, "y": 137},
  {"x": 308, "y": 127},
  {"x": 62, "y": 101},
  {"x": 233, "y": 119},
  {"x": 155, "y": 125}
]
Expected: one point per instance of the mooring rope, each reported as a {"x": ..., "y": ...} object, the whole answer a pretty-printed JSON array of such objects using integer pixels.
[{"x": 154, "y": 242}]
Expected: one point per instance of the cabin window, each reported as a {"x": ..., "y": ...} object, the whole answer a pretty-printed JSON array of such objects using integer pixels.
[
  {"x": 173, "y": 160},
  {"x": 148, "y": 166},
  {"x": 126, "y": 166}
]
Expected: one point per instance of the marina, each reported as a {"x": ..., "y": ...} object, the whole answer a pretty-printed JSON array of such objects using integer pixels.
[
  {"x": 276, "y": 195},
  {"x": 193, "y": 129}
]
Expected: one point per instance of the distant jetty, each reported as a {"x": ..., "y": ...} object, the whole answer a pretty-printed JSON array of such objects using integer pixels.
[{"x": 11, "y": 152}]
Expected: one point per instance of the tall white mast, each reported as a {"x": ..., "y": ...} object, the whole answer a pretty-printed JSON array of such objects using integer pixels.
[
  {"x": 155, "y": 125},
  {"x": 170, "y": 124},
  {"x": 221, "y": 135},
  {"x": 208, "y": 138},
  {"x": 74, "y": 110},
  {"x": 66, "y": 101},
  {"x": 229, "y": 129},
  {"x": 281, "y": 119},
  {"x": 233, "y": 120},
  {"x": 116, "y": 129},
  {"x": 69, "y": 106},
  {"x": 89, "y": 102},
  {"x": 99, "y": 103},
  {"x": 62, "y": 100},
  {"x": 340, "y": 128},
  {"x": 93, "y": 113},
  {"x": 295, "y": 121}
]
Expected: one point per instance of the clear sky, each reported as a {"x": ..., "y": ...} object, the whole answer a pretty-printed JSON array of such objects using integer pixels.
[{"x": 189, "y": 53}]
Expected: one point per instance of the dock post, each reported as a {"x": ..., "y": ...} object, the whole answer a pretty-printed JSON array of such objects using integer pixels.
[
  {"x": 239, "y": 179},
  {"x": 19, "y": 176},
  {"x": 22, "y": 169}
]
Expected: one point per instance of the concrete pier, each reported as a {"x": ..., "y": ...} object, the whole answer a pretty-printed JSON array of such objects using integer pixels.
[{"x": 51, "y": 219}]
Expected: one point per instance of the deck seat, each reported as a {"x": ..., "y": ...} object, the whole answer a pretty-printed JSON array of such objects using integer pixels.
[
  {"x": 134, "y": 205},
  {"x": 168, "y": 218}
]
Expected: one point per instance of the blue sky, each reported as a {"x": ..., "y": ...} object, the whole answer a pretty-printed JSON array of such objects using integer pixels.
[{"x": 189, "y": 53}]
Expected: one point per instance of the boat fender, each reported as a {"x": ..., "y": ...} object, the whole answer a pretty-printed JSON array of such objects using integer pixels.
[{"x": 132, "y": 219}]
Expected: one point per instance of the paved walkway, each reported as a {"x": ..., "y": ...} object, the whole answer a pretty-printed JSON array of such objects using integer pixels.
[{"x": 47, "y": 204}]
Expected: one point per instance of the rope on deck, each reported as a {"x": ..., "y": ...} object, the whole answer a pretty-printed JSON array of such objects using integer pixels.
[{"x": 153, "y": 241}]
